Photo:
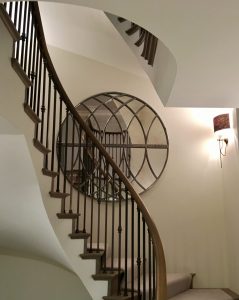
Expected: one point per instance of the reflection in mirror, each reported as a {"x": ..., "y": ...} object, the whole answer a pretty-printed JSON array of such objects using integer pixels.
[{"x": 131, "y": 132}]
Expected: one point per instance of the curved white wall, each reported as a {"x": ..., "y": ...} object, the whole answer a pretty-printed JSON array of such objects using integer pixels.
[{"x": 22, "y": 278}]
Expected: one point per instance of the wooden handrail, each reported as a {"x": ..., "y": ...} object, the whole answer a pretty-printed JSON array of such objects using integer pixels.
[{"x": 161, "y": 291}]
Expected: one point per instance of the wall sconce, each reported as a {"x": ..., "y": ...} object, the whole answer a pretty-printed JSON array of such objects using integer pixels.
[{"x": 221, "y": 124}]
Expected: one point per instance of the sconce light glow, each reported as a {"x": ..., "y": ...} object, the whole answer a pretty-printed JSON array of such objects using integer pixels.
[{"x": 221, "y": 124}]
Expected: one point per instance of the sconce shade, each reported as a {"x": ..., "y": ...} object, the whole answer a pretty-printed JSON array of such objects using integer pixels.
[{"x": 221, "y": 122}]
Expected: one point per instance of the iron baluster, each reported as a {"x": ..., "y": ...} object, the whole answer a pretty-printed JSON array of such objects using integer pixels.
[
  {"x": 119, "y": 234},
  {"x": 63, "y": 207},
  {"x": 132, "y": 248},
  {"x": 36, "y": 77},
  {"x": 59, "y": 148},
  {"x": 139, "y": 257},
  {"x": 144, "y": 261},
  {"x": 113, "y": 220},
  {"x": 53, "y": 131},
  {"x": 79, "y": 183},
  {"x": 150, "y": 265},
  {"x": 48, "y": 118},
  {"x": 72, "y": 164},
  {"x": 91, "y": 171},
  {"x": 126, "y": 242},
  {"x": 43, "y": 108},
  {"x": 99, "y": 198}
]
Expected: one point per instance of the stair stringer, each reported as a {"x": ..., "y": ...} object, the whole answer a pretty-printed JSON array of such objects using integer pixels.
[
  {"x": 14, "y": 113},
  {"x": 164, "y": 70}
]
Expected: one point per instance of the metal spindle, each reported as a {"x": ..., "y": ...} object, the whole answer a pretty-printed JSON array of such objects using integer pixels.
[
  {"x": 154, "y": 275},
  {"x": 129, "y": 157},
  {"x": 38, "y": 100},
  {"x": 48, "y": 118},
  {"x": 79, "y": 183},
  {"x": 32, "y": 72},
  {"x": 112, "y": 148},
  {"x": 149, "y": 266},
  {"x": 23, "y": 35},
  {"x": 63, "y": 207},
  {"x": 139, "y": 255},
  {"x": 72, "y": 163},
  {"x": 126, "y": 242},
  {"x": 28, "y": 39},
  {"x": 118, "y": 141},
  {"x": 113, "y": 220},
  {"x": 99, "y": 200},
  {"x": 31, "y": 41},
  {"x": 85, "y": 190},
  {"x": 43, "y": 108},
  {"x": 10, "y": 9},
  {"x": 18, "y": 26},
  {"x": 36, "y": 78},
  {"x": 132, "y": 248},
  {"x": 119, "y": 232},
  {"x": 91, "y": 171},
  {"x": 106, "y": 210},
  {"x": 53, "y": 131},
  {"x": 144, "y": 262},
  {"x": 15, "y": 13},
  {"x": 59, "y": 148}
]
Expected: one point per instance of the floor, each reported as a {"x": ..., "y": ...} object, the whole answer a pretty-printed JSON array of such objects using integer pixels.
[{"x": 205, "y": 294}]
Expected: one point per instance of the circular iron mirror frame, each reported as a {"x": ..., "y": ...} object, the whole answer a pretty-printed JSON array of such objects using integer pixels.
[{"x": 123, "y": 104}]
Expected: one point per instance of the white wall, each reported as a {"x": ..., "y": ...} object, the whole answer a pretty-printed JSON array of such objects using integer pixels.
[
  {"x": 187, "y": 202},
  {"x": 22, "y": 278},
  {"x": 231, "y": 203}
]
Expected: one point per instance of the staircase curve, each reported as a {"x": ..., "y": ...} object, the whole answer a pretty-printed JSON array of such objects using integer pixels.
[
  {"x": 153, "y": 56},
  {"x": 118, "y": 241}
]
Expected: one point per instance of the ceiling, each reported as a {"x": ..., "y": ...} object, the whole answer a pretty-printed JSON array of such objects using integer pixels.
[
  {"x": 202, "y": 36},
  {"x": 87, "y": 32}
]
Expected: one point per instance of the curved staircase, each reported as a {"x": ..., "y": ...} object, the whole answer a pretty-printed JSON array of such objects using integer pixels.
[{"x": 116, "y": 238}]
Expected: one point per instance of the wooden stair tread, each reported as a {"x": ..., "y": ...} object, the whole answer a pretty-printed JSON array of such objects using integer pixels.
[
  {"x": 79, "y": 235},
  {"x": 31, "y": 114},
  {"x": 67, "y": 215},
  {"x": 21, "y": 73},
  {"x": 49, "y": 172},
  {"x": 41, "y": 147},
  {"x": 58, "y": 195},
  {"x": 107, "y": 275},
  {"x": 122, "y": 297},
  {"x": 178, "y": 283},
  {"x": 117, "y": 297},
  {"x": 121, "y": 20},
  {"x": 92, "y": 255},
  {"x": 8, "y": 23}
]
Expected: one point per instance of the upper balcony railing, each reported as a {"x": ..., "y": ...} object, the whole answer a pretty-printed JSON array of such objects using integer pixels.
[{"x": 145, "y": 38}]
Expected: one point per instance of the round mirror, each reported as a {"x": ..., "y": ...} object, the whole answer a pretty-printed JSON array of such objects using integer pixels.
[{"x": 131, "y": 132}]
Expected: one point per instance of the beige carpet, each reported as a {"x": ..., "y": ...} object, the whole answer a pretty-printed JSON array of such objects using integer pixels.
[{"x": 203, "y": 294}]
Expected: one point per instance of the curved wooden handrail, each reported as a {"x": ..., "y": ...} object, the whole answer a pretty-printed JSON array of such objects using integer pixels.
[
  {"x": 158, "y": 247},
  {"x": 161, "y": 291}
]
